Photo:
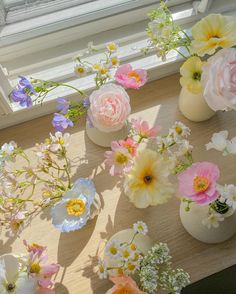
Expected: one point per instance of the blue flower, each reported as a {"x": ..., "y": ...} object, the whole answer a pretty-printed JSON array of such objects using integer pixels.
[
  {"x": 22, "y": 94},
  {"x": 73, "y": 211},
  {"x": 63, "y": 105},
  {"x": 60, "y": 122}
]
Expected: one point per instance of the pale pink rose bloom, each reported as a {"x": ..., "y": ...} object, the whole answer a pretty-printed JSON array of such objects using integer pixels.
[
  {"x": 109, "y": 108},
  {"x": 130, "y": 78},
  {"x": 198, "y": 182},
  {"x": 130, "y": 145},
  {"x": 219, "y": 80},
  {"x": 124, "y": 284},
  {"x": 118, "y": 160},
  {"x": 142, "y": 128}
]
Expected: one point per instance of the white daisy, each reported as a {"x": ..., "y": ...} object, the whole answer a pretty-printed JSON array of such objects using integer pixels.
[
  {"x": 112, "y": 47},
  {"x": 102, "y": 270},
  {"x": 140, "y": 228},
  {"x": 113, "y": 249},
  {"x": 218, "y": 141},
  {"x": 212, "y": 220},
  {"x": 131, "y": 267},
  {"x": 126, "y": 253},
  {"x": 59, "y": 140},
  {"x": 179, "y": 131}
]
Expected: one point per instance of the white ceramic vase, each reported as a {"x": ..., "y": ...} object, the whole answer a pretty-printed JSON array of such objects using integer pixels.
[
  {"x": 194, "y": 106},
  {"x": 192, "y": 222},
  {"x": 104, "y": 139},
  {"x": 143, "y": 243}
]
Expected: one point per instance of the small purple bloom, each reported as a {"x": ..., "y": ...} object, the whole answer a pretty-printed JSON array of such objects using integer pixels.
[
  {"x": 25, "y": 83},
  {"x": 63, "y": 105},
  {"x": 86, "y": 103},
  {"x": 60, "y": 123}
]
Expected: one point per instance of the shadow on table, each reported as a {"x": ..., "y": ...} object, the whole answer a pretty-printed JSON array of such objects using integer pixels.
[{"x": 60, "y": 288}]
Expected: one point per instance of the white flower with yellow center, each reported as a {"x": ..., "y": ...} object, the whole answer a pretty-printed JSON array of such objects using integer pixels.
[
  {"x": 140, "y": 228},
  {"x": 191, "y": 72},
  {"x": 212, "y": 32},
  {"x": 102, "y": 270},
  {"x": 131, "y": 267},
  {"x": 81, "y": 70},
  {"x": 147, "y": 181},
  {"x": 179, "y": 131},
  {"x": 112, "y": 47},
  {"x": 126, "y": 253},
  {"x": 213, "y": 220},
  {"x": 113, "y": 249},
  {"x": 74, "y": 210},
  {"x": 58, "y": 141}
]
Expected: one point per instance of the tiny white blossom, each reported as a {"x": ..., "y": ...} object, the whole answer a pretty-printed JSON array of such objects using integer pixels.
[
  {"x": 228, "y": 195},
  {"x": 212, "y": 220},
  {"x": 140, "y": 228},
  {"x": 131, "y": 267},
  {"x": 102, "y": 270},
  {"x": 81, "y": 70},
  {"x": 126, "y": 253},
  {"x": 113, "y": 249},
  {"x": 218, "y": 141},
  {"x": 179, "y": 131},
  {"x": 231, "y": 146},
  {"x": 59, "y": 140},
  {"x": 8, "y": 148}
]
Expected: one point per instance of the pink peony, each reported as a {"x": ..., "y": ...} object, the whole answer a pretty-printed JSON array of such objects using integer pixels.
[
  {"x": 130, "y": 145},
  {"x": 198, "y": 182},
  {"x": 130, "y": 78},
  {"x": 109, "y": 108},
  {"x": 124, "y": 284},
  {"x": 142, "y": 128},
  {"x": 119, "y": 159},
  {"x": 219, "y": 80}
]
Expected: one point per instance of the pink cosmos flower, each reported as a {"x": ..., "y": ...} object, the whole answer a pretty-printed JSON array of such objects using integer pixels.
[
  {"x": 119, "y": 159},
  {"x": 109, "y": 108},
  {"x": 130, "y": 145},
  {"x": 142, "y": 128},
  {"x": 130, "y": 78},
  {"x": 41, "y": 271},
  {"x": 198, "y": 182},
  {"x": 124, "y": 284}
]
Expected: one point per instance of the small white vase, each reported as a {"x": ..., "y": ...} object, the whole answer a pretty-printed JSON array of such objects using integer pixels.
[
  {"x": 104, "y": 139},
  {"x": 143, "y": 243},
  {"x": 192, "y": 222},
  {"x": 194, "y": 106}
]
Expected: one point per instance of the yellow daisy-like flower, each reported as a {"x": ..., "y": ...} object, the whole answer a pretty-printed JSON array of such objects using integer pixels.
[
  {"x": 212, "y": 32},
  {"x": 147, "y": 182},
  {"x": 191, "y": 72}
]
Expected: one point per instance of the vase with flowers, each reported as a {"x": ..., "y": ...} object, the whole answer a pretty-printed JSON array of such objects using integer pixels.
[{"x": 208, "y": 74}]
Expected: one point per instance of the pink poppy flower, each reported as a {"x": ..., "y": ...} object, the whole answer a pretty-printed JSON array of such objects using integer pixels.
[
  {"x": 119, "y": 159},
  {"x": 198, "y": 182},
  {"x": 124, "y": 284},
  {"x": 130, "y": 145},
  {"x": 142, "y": 128},
  {"x": 130, "y": 78}
]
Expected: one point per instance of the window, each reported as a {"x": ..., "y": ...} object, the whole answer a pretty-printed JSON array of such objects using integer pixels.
[{"x": 42, "y": 41}]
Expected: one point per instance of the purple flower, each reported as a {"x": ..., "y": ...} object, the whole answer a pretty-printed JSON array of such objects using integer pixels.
[
  {"x": 22, "y": 94},
  {"x": 86, "y": 103},
  {"x": 60, "y": 122},
  {"x": 63, "y": 105}
]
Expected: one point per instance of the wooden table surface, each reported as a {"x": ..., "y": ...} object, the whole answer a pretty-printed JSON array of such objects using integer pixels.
[{"x": 76, "y": 251}]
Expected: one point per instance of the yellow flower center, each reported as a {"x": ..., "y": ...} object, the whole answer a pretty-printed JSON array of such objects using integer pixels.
[
  {"x": 80, "y": 70},
  {"x": 75, "y": 207},
  {"x": 200, "y": 184},
  {"x": 61, "y": 141},
  {"x": 125, "y": 253},
  {"x": 121, "y": 158},
  {"x": 35, "y": 268},
  {"x": 113, "y": 250},
  {"x": 103, "y": 71},
  {"x": 97, "y": 66},
  {"x": 130, "y": 266},
  {"x": 179, "y": 130},
  {"x": 120, "y": 271},
  {"x": 112, "y": 46},
  {"x": 133, "y": 247},
  {"x": 101, "y": 269},
  {"x": 114, "y": 61},
  {"x": 134, "y": 75},
  {"x": 136, "y": 257}
]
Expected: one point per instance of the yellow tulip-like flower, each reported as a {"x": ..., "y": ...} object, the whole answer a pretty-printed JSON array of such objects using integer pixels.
[
  {"x": 212, "y": 32},
  {"x": 147, "y": 182},
  {"x": 191, "y": 72}
]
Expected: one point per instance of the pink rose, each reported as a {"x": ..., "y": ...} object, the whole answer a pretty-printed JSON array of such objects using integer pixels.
[
  {"x": 130, "y": 78},
  {"x": 219, "y": 80},
  {"x": 109, "y": 108}
]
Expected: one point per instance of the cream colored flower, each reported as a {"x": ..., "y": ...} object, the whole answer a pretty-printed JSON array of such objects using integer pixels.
[
  {"x": 191, "y": 72},
  {"x": 147, "y": 182},
  {"x": 212, "y": 32}
]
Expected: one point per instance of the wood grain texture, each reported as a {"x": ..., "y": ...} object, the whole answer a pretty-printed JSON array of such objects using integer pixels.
[{"x": 156, "y": 102}]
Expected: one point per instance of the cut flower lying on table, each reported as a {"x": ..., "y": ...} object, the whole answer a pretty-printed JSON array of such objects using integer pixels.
[
  {"x": 133, "y": 271},
  {"x": 72, "y": 205},
  {"x": 27, "y": 273}
]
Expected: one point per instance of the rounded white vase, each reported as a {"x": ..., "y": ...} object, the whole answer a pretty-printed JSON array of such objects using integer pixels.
[
  {"x": 104, "y": 139},
  {"x": 194, "y": 106},
  {"x": 192, "y": 222},
  {"x": 143, "y": 243}
]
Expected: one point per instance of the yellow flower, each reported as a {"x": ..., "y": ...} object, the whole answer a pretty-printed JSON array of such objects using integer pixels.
[
  {"x": 191, "y": 72},
  {"x": 212, "y": 32},
  {"x": 112, "y": 47},
  {"x": 147, "y": 182}
]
